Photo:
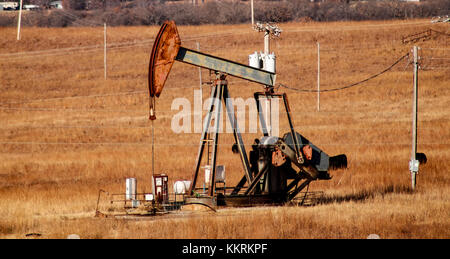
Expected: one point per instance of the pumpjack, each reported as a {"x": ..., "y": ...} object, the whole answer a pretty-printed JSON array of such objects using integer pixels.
[{"x": 277, "y": 168}]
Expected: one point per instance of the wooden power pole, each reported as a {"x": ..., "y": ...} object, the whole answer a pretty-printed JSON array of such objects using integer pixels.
[
  {"x": 414, "y": 163},
  {"x": 19, "y": 22},
  {"x": 318, "y": 76}
]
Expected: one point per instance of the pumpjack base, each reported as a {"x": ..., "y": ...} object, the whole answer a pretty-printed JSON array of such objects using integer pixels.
[
  {"x": 214, "y": 202},
  {"x": 208, "y": 201},
  {"x": 250, "y": 200}
]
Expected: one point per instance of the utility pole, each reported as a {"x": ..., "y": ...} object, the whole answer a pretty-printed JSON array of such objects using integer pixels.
[
  {"x": 200, "y": 77},
  {"x": 318, "y": 76},
  {"x": 104, "y": 49},
  {"x": 268, "y": 63},
  {"x": 253, "y": 14},
  {"x": 414, "y": 163},
  {"x": 19, "y": 21}
]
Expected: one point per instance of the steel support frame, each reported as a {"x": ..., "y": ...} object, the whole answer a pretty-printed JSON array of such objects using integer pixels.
[
  {"x": 219, "y": 94},
  {"x": 283, "y": 96},
  {"x": 299, "y": 157},
  {"x": 225, "y": 66}
]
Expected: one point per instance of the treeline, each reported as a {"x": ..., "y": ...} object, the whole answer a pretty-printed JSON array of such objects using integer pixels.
[{"x": 140, "y": 12}]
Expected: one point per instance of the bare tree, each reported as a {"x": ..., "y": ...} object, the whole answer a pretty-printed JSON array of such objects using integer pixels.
[
  {"x": 74, "y": 4},
  {"x": 40, "y": 3}
]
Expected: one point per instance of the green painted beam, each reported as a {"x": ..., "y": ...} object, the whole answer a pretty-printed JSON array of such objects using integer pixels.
[{"x": 226, "y": 66}]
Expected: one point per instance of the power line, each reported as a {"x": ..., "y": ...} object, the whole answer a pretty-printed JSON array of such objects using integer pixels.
[
  {"x": 281, "y": 85},
  {"x": 302, "y": 128},
  {"x": 72, "y": 50},
  {"x": 434, "y": 48},
  {"x": 435, "y": 68},
  {"x": 74, "y": 97},
  {"x": 134, "y": 43},
  {"x": 76, "y": 20},
  {"x": 358, "y": 27},
  {"x": 347, "y": 86},
  {"x": 171, "y": 111},
  {"x": 64, "y": 51},
  {"x": 89, "y": 96},
  {"x": 440, "y": 32},
  {"x": 196, "y": 144}
]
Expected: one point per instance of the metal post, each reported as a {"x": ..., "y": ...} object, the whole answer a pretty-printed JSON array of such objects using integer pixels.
[
  {"x": 268, "y": 100},
  {"x": 413, "y": 163},
  {"x": 269, "y": 115},
  {"x": 291, "y": 125},
  {"x": 198, "y": 101},
  {"x": 19, "y": 21},
  {"x": 262, "y": 120},
  {"x": 200, "y": 77},
  {"x": 237, "y": 134},
  {"x": 253, "y": 17},
  {"x": 217, "y": 106},
  {"x": 153, "y": 150},
  {"x": 267, "y": 42},
  {"x": 104, "y": 52},
  {"x": 206, "y": 126},
  {"x": 318, "y": 76}
]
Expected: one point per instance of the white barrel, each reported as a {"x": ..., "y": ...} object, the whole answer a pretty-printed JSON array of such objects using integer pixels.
[
  {"x": 254, "y": 60},
  {"x": 187, "y": 184},
  {"x": 220, "y": 174},
  {"x": 269, "y": 61},
  {"x": 207, "y": 173},
  {"x": 181, "y": 187},
  {"x": 131, "y": 189}
]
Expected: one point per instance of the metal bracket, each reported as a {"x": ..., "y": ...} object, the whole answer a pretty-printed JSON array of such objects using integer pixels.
[{"x": 414, "y": 166}]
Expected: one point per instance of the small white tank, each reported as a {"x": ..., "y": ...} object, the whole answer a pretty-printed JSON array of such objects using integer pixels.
[
  {"x": 220, "y": 174},
  {"x": 181, "y": 187},
  {"x": 254, "y": 60},
  {"x": 269, "y": 62},
  {"x": 131, "y": 189},
  {"x": 207, "y": 173}
]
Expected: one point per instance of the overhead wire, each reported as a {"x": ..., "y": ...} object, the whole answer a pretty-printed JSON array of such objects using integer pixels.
[
  {"x": 168, "y": 111},
  {"x": 127, "y": 44},
  {"x": 358, "y": 27},
  {"x": 196, "y": 144},
  {"x": 132, "y": 43},
  {"x": 440, "y": 32},
  {"x": 115, "y": 126},
  {"x": 347, "y": 86},
  {"x": 280, "y": 85}
]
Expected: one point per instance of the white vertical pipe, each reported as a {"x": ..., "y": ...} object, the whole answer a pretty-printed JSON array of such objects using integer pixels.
[
  {"x": 266, "y": 42},
  {"x": 104, "y": 51},
  {"x": 253, "y": 17},
  {"x": 200, "y": 77},
  {"x": 198, "y": 102},
  {"x": 414, "y": 169},
  {"x": 19, "y": 22}
]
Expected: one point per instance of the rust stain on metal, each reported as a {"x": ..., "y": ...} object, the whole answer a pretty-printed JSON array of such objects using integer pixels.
[
  {"x": 278, "y": 158},
  {"x": 307, "y": 151},
  {"x": 165, "y": 49}
]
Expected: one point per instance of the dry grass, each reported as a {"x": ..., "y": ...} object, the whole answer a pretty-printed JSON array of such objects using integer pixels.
[{"x": 50, "y": 187}]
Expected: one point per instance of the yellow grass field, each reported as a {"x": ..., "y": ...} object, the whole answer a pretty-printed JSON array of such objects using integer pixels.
[{"x": 66, "y": 132}]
